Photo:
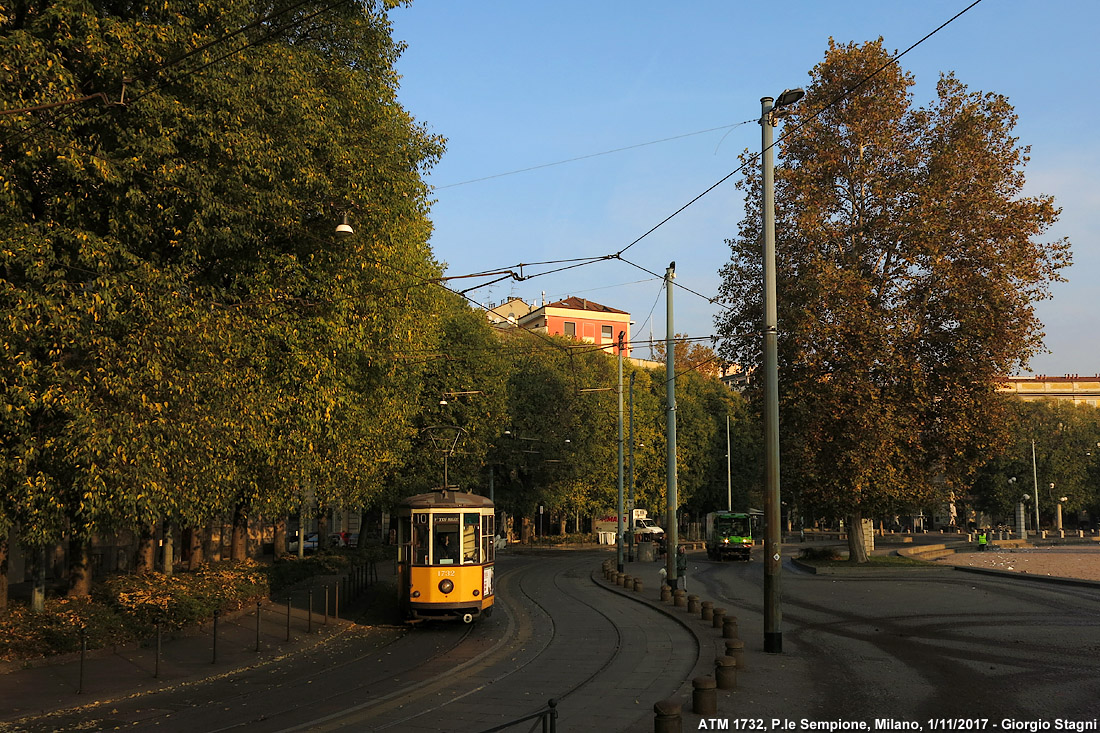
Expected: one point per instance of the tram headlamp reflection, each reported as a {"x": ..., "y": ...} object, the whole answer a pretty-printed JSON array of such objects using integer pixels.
[{"x": 446, "y": 585}]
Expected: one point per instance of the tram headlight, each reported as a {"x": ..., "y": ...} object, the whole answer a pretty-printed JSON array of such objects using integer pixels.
[
  {"x": 446, "y": 585},
  {"x": 416, "y": 594},
  {"x": 476, "y": 593}
]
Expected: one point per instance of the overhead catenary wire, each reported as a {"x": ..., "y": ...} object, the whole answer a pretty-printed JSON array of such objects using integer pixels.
[
  {"x": 582, "y": 262},
  {"x": 592, "y": 155},
  {"x": 753, "y": 158}
]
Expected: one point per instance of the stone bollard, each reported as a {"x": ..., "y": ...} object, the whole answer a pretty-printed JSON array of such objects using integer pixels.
[
  {"x": 638, "y": 586},
  {"x": 725, "y": 673},
  {"x": 729, "y": 627},
  {"x": 708, "y": 610},
  {"x": 628, "y": 581},
  {"x": 666, "y": 592},
  {"x": 693, "y": 604},
  {"x": 704, "y": 696},
  {"x": 679, "y": 598},
  {"x": 619, "y": 578},
  {"x": 718, "y": 617},
  {"x": 666, "y": 717},
  {"x": 735, "y": 648}
]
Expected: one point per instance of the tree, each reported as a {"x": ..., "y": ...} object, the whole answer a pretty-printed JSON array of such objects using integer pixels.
[
  {"x": 187, "y": 339},
  {"x": 690, "y": 355},
  {"x": 908, "y": 265},
  {"x": 1065, "y": 439}
]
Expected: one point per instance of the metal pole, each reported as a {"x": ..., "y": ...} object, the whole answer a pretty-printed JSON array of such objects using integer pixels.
[
  {"x": 670, "y": 383},
  {"x": 630, "y": 504},
  {"x": 729, "y": 472},
  {"x": 288, "y": 618},
  {"x": 1035, "y": 481},
  {"x": 619, "y": 391},
  {"x": 214, "y": 645},
  {"x": 83, "y": 653},
  {"x": 258, "y": 603},
  {"x": 773, "y": 615},
  {"x": 156, "y": 662}
]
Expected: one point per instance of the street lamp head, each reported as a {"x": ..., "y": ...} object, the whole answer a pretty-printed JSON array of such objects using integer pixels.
[
  {"x": 789, "y": 96},
  {"x": 1012, "y": 480},
  {"x": 344, "y": 229},
  {"x": 1063, "y": 498},
  {"x": 1027, "y": 496}
]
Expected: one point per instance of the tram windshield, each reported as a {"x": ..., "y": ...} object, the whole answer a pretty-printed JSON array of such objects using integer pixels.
[{"x": 445, "y": 529}]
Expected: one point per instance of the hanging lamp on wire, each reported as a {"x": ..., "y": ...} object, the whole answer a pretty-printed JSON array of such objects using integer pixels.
[{"x": 344, "y": 229}]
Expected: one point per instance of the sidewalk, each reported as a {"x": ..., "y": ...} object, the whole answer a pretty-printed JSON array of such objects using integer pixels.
[
  {"x": 247, "y": 639},
  {"x": 768, "y": 685}
]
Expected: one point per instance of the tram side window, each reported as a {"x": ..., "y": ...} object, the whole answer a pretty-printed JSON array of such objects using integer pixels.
[
  {"x": 420, "y": 539},
  {"x": 404, "y": 539},
  {"x": 471, "y": 524},
  {"x": 446, "y": 549},
  {"x": 488, "y": 537}
]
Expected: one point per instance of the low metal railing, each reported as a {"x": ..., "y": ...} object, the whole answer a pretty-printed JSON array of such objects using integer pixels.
[{"x": 548, "y": 716}]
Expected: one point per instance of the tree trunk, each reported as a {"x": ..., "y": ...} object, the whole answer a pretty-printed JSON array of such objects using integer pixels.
[
  {"x": 196, "y": 556},
  {"x": 38, "y": 589},
  {"x": 80, "y": 569},
  {"x": 857, "y": 550},
  {"x": 238, "y": 543},
  {"x": 3, "y": 570},
  {"x": 322, "y": 530},
  {"x": 146, "y": 556},
  {"x": 278, "y": 541},
  {"x": 211, "y": 552},
  {"x": 168, "y": 557}
]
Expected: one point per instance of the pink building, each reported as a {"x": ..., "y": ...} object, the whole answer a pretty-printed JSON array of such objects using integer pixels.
[{"x": 581, "y": 320}]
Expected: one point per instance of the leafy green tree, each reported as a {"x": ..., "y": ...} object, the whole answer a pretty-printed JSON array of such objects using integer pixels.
[
  {"x": 186, "y": 339},
  {"x": 909, "y": 262},
  {"x": 1065, "y": 438}
]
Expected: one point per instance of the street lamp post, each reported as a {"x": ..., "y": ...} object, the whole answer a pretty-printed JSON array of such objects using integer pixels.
[
  {"x": 630, "y": 503},
  {"x": 1035, "y": 482},
  {"x": 773, "y": 615},
  {"x": 630, "y": 521}
]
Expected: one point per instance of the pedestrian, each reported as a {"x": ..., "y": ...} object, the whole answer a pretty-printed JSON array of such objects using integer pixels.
[
  {"x": 983, "y": 540},
  {"x": 681, "y": 567}
]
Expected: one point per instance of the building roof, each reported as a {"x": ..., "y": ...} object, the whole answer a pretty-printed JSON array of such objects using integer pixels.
[{"x": 584, "y": 304}]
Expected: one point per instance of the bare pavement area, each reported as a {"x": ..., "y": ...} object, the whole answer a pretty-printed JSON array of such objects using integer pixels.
[{"x": 1082, "y": 563}]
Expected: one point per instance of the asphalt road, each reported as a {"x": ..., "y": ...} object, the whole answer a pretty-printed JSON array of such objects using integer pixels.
[
  {"x": 928, "y": 646},
  {"x": 554, "y": 634},
  {"x": 923, "y": 646}
]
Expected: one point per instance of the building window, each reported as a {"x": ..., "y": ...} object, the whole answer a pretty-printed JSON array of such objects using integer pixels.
[
  {"x": 571, "y": 329},
  {"x": 607, "y": 333}
]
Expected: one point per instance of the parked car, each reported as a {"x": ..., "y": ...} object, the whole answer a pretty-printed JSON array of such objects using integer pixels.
[{"x": 310, "y": 543}]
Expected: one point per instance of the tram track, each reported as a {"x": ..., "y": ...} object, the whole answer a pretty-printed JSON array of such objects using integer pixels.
[
  {"x": 540, "y": 610},
  {"x": 554, "y": 634},
  {"x": 548, "y": 615}
]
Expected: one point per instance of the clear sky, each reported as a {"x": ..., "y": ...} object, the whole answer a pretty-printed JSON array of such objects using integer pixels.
[{"x": 515, "y": 84}]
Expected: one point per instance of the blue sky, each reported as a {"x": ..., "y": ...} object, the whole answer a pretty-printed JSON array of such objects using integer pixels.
[{"x": 513, "y": 85}]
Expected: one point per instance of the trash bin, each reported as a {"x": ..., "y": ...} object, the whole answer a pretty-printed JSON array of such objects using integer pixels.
[{"x": 645, "y": 552}]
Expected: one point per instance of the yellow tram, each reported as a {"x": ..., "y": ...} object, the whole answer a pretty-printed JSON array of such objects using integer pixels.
[{"x": 446, "y": 546}]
